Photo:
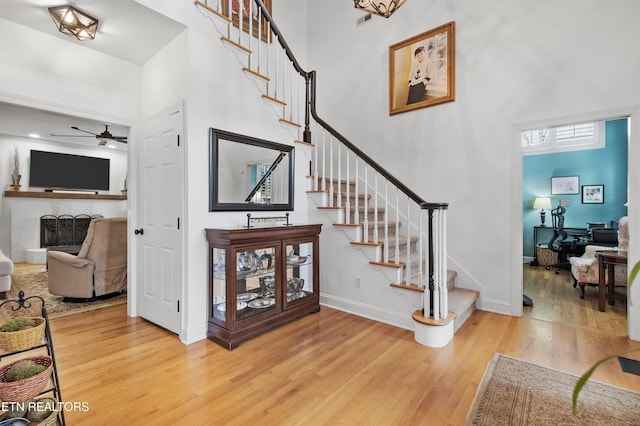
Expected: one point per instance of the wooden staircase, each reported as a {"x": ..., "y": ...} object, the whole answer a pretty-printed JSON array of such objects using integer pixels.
[
  {"x": 462, "y": 302},
  {"x": 390, "y": 251}
]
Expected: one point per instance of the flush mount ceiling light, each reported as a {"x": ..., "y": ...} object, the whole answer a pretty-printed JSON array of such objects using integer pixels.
[
  {"x": 383, "y": 8},
  {"x": 74, "y": 22}
]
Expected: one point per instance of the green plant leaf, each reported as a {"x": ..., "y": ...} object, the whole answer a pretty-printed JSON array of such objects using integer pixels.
[{"x": 586, "y": 376}]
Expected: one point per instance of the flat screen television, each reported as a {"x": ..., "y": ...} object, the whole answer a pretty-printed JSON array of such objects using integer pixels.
[{"x": 54, "y": 170}]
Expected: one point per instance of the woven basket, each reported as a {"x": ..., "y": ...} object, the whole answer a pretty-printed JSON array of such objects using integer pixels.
[
  {"x": 546, "y": 256},
  {"x": 50, "y": 420},
  {"x": 23, "y": 390},
  {"x": 23, "y": 339}
]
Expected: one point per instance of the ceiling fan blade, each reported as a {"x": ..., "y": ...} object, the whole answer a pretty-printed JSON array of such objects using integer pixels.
[
  {"x": 80, "y": 130},
  {"x": 72, "y": 136}
]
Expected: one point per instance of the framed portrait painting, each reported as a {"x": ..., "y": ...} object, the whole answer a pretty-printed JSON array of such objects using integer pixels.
[
  {"x": 592, "y": 194},
  {"x": 422, "y": 70}
]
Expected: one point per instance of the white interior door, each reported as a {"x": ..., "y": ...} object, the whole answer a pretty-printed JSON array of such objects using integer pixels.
[{"x": 159, "y": 231}]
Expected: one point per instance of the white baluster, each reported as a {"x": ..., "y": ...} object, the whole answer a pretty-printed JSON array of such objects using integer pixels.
[
  {"x": 397, "y": 244},
  {"x": 385, "y": 255},
  {"x": 347, "y": 206},
  {"x": 408, "y": 263},
  {"x": 250, "y": 32},
  {"x": 229, "y": 24},
  {"x": 356, "y": 212},
  {"x": 324, "y": 162},
  {"x": 339, "y": 199},
  {"x": 365, "y": 204},
  {"x": 315, "y": 163},
  {"x": 331, "y": 181},
  {"x": 376, "y": 237}
]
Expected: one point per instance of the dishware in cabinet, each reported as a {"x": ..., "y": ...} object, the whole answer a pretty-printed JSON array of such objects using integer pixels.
[{"x": 260, "y": 278}]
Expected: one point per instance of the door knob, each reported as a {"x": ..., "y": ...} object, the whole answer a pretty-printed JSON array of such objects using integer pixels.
[{"x": 139, "y": 231}]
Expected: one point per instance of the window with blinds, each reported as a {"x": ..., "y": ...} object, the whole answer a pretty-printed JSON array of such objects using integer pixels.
[{"x": 572, "y": 137}]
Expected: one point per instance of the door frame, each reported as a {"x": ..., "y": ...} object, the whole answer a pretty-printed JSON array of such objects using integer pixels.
[{"x": 633, "y": 211}]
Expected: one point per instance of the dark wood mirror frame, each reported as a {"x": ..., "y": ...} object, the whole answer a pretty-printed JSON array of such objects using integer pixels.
[{"x": 234, "y": 186}]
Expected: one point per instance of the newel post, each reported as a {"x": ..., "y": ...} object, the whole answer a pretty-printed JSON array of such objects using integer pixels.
[{"x": 306, "y": 135}]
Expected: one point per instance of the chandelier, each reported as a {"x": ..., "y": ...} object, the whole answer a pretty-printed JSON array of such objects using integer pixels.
[
  {"x": 74, "y": 22},
  {"x": 379, "y": 7}
]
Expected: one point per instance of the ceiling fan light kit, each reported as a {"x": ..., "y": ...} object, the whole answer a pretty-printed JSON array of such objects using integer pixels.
[
  {"x": 383, "y": 8},
  {"x": 74, "y": 22}
]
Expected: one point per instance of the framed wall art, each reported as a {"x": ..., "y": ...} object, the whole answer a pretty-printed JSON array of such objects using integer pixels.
[
  {"x": 255, "y": 25},
  {"x": 422, "y": 70},
  {"x": 565, "y": 185},
  {"x": 592, "y": 194}
]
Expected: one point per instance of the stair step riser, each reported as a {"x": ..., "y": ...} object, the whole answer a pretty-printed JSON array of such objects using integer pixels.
[
  {"x": 335, "y": 185},
  {"x": 371, "y": 215}
]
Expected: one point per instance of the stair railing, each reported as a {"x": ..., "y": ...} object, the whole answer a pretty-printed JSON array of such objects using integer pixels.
[{"x": 268, "y": 59}]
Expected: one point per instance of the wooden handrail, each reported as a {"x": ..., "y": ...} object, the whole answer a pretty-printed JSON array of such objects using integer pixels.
[{"x": 310, "y": 106}]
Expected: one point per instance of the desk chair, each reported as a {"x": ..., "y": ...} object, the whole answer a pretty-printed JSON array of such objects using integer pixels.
[
  {"x": 604, "y": 237},
  {"x": 559, "y": 243}
]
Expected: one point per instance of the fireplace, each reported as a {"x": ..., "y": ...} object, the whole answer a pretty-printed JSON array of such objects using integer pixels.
[{"x": 64, "y": 230}]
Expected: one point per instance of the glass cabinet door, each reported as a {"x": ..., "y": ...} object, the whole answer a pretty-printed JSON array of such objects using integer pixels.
[
  {"x": 257, "y": 291},
  {"x": 299, "y": 272},
  {"x": 218, "y": 285}
]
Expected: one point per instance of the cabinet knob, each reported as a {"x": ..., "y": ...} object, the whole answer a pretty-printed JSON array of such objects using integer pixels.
[{"x": 139, "y": 231}]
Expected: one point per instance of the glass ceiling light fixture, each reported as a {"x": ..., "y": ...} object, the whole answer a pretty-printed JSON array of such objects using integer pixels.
[
  {"x": 379, "y": 7},
  {"x": 74, "y": 22}
]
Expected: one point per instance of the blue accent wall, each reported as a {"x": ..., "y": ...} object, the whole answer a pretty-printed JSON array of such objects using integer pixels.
[{"x": 607, "y": 166}]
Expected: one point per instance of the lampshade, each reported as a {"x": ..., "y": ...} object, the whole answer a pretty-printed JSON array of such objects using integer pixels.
[
  {"x": 542, "y": 203},
  {"x": 74, "y": 22},
  {"x": 379, "y": 7}
]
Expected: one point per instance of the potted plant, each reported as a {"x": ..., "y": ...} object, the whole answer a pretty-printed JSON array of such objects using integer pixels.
[
  {"x": 24, "y": 379},
  {"x": 15, "y": 172},
  {"x": 587, "y": 375},
  {"x": 21, "y": 333}
]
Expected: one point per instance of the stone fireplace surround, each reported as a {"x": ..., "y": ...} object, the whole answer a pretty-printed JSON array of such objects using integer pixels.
[{"x": 25, "y": 214}]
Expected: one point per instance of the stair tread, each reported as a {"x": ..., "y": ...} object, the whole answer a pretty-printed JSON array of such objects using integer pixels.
[{"x": 461, "y": 298}]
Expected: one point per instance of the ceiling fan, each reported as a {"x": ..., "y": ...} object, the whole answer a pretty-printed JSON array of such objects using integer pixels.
[{"x": 103, "y": 137}]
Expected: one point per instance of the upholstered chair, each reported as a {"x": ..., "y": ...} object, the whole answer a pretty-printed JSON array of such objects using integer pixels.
[
  {"x": 6, "y": 268},
  {"x": 585, "y": 268},
  {"x": 99, "y": 269}
]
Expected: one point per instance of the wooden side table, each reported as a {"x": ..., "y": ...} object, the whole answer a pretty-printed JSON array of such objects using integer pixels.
[{"x": 608, "y": 259}]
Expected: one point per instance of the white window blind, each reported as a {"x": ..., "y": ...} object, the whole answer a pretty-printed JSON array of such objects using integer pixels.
[{"x": 571, "y": 137}]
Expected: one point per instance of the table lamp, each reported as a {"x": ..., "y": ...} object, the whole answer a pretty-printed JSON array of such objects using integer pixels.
[{"x": 542, "y": 203}]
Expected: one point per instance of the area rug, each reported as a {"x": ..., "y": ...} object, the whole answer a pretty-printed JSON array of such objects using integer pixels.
[
  {"x": 33, "y": 282},
  {"x": 514, "y": 392}
]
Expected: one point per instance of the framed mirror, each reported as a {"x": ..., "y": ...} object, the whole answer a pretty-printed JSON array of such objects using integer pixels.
[{"x": 249, "y": 174}]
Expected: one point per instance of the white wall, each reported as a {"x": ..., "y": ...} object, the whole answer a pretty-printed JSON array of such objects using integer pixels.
[
  {"x": 51, "y": 73},
  {"x": 218, "y": 95},
  {"x": 515, "y": 62},
  {"x": 117, "y": 173},
  {"x": 42, "y": 71}
]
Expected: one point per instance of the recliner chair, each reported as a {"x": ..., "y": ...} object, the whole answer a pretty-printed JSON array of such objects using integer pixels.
[
  {"x": 99, "y": 269},
  {"x": 558, "y": 242}
]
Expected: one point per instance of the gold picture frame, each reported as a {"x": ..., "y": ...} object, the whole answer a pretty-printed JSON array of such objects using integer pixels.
[
  {"x": 235, "y": 6},
  {"x": 422, "y": 70}
]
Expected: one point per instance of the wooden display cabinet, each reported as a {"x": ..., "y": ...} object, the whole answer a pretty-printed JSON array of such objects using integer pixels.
[{"x": 260, "y": 278}]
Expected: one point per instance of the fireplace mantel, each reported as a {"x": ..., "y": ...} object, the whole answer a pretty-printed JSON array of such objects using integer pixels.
[
  {"x": 63, "y": 195},
  {"x": 26, "y": 208}
]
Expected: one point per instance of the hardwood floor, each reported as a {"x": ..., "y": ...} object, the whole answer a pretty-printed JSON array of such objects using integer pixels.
[
  {"x": 326, "y": 368},
  {"x": 555, "y": 299}
]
